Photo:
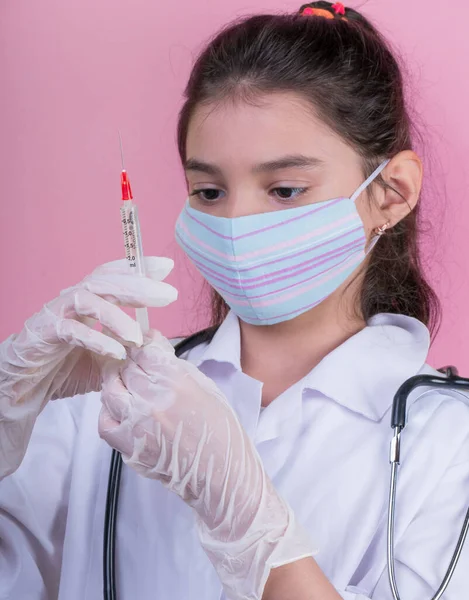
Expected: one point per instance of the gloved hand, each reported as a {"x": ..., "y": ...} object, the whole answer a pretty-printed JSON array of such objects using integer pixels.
[
  {"x": 172, "y": 423},
  {"x": 58, "y": 354}
]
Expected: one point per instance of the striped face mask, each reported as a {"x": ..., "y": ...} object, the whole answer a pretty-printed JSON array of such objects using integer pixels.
[{"x": 274, "y": 266}]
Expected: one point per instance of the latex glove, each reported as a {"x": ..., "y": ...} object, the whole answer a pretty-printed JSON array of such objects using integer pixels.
[
  {"x": 58, "y": 354},
  {"x": 172, "y": 423}
]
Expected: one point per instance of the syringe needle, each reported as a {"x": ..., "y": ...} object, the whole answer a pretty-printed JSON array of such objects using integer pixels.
[{"x": 122, "y": 152}]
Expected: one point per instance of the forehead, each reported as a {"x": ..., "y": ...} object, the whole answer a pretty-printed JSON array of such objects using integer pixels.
[{"x": 275, "y": 123}]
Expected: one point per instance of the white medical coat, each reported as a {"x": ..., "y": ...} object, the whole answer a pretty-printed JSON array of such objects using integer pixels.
[{"x": 325, "y": 444}]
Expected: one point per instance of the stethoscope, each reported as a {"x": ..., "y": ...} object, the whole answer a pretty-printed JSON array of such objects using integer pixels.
[
  {"x": 398, "y": 421},
  {"x": 451, "y": 380}
]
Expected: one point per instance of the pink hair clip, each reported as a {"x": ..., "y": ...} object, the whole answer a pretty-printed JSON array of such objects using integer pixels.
[{"x": 339, "y": 8}]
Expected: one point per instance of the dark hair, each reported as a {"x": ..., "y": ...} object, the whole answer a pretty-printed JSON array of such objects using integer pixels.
[{"x": 347, "y": 70}]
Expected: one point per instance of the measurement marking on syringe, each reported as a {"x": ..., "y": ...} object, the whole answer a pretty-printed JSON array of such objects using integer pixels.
[{"x": 130, "y": 238}]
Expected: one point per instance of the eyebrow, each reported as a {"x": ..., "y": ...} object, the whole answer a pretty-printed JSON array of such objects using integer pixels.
[{"x": 297, "y": 161}]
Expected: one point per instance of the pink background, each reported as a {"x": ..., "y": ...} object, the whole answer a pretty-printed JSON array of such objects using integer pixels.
[{"x": 73, "y": 73}]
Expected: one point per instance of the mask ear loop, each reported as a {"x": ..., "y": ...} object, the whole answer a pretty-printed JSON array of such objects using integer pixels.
[
  {"x": 363, "y": 187},
  {"x": 371, "y": 178}
]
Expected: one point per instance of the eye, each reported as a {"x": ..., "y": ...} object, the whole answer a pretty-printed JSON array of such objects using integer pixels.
[
  {"x": 288, "y": 193},
  {"x": 208, "y": 195}
]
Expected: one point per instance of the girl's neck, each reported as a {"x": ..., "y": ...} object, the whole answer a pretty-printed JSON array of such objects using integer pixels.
[{"x": 282, "y": 354}]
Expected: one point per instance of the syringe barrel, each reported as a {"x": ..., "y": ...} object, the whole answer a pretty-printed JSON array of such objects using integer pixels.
[{"x": 134, "y": 252}]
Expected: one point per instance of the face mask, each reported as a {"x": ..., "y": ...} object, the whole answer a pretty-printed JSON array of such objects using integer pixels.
[{"x": 274, "y": 266}]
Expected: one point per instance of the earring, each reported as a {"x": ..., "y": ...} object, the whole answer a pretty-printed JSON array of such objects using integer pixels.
[{"x": 382, "y": 230}]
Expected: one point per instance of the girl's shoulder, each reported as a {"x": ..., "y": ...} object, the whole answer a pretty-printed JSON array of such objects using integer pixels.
[{"x": 437, "y": 425}]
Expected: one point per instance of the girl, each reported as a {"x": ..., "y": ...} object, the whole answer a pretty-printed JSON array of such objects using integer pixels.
[{"x": 263, "y": 448}]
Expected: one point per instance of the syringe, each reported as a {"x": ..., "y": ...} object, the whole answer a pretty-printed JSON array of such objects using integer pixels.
[{"x": 132, "y": 238}]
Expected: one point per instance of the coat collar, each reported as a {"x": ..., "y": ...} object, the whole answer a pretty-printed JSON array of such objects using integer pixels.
[{"x": 362, "y": 374}]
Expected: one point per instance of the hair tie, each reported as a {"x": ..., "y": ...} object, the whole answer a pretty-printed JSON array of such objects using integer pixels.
[{"x": 339, "y": 9}]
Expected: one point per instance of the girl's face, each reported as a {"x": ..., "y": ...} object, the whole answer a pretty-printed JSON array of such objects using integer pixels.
[{"x": 246, "y": 159}]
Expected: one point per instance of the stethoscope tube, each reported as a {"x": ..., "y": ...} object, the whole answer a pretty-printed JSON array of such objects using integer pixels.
[
  {"x": 110, "y": 520},
  {"x": 451, "y": 381},
  {"x": 398, "y": 421}
]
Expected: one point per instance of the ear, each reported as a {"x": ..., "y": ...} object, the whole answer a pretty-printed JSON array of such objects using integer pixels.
[{"x": 403, "y": 174}]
